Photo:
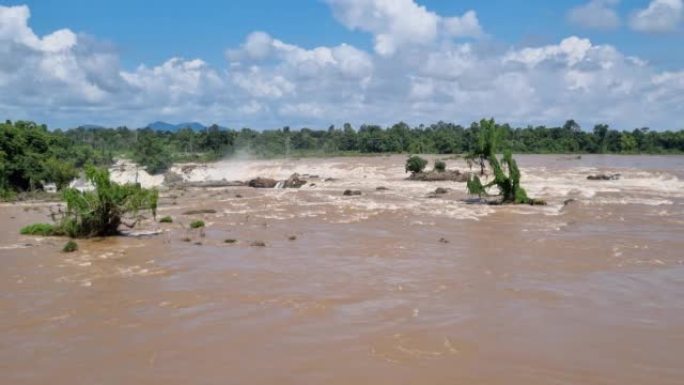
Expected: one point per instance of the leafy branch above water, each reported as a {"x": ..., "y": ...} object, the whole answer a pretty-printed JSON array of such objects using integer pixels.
[
  {"x": 99, "y": 212},
  {"x": 508, "y": 185}
]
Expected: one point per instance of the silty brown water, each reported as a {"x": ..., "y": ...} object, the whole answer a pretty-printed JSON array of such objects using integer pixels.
[{"x": 584, "y": 293}]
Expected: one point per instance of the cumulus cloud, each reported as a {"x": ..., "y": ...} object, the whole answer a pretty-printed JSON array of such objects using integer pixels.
[
  {"x": 659, "y": 16},
  {"x": 30, "y": 63},
  {"x": 343, "y": 60},
  {"x": 598, "y": 14},
  {"x": 465, "y": 26},
  {"x": 396, "y": 24},
  {"x": 65, "y": 77}
]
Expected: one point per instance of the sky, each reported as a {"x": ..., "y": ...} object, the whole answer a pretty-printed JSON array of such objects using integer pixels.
[{"x": 268, "y": 63}]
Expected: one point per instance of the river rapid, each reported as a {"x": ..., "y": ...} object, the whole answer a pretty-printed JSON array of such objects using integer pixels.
[{"x": 395, "y": 286}]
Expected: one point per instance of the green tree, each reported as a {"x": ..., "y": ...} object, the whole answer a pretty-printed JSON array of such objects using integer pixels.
[
  {"x": 509, "y": 186},
  {"x": 151, "y": 153},
  {"x": 488, "y": 140},
  {"x": 59, "y": 172},
  {"x": 627, "y": 142},
  {"x": 601, "y": 133},
  {"x": 102, "y": 211},
  {"x": 415, "y": 164}
]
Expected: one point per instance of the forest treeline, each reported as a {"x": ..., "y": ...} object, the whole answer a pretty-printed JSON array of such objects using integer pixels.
[{"x": 31, "y": 155}]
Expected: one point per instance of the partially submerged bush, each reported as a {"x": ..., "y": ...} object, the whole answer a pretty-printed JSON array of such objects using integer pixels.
[
  {"x": 166, "y": 219},
  {"x": 508, "y": 185},
  {"x": 440, "y": 166},
  {"x": 43, "y": 229},
  {"x": 196, "y": 224},
  {"x": 415, "y": 164},
  {"x": 70, "y": 247},
  {"x": 100, "y": 212}
]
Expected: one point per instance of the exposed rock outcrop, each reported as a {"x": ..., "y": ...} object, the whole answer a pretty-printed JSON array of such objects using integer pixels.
[
  {"x": 434, "y": 176},
  {"x": 262, "y": 183},
  {"x": 604, "y": 177},
  {"x": 214, "y": 183},
  {"x": 348, "y": 193},
  {"x": 294, "y": 181}
]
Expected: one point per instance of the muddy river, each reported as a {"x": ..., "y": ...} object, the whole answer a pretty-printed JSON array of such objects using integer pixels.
[{"x": 394, "y": 286}]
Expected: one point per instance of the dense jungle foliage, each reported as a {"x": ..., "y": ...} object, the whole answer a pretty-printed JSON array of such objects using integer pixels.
[{"x": 31, "y": 155}]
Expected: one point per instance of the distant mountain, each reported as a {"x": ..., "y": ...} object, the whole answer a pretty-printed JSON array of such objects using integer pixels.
[
  {"x": 164, "y": 126},
  {"x": 194, "y": 125}
]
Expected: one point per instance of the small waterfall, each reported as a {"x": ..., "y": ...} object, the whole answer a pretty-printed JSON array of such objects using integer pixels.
[{"x": 280, "y": 184}]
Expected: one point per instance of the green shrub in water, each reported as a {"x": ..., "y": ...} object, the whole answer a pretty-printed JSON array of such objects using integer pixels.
[
  {"x": 100, "y": 212},
  {"x": 415, "y": 164},
  {"x": 43, "y": 229},
  {"x": 70, "y": 247},
  {"x": 196, "y": 224},
  {"x": 509, "y": 186}
]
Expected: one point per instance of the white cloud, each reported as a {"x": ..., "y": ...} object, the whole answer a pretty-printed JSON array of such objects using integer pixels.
[
  {"x": 570, "y": 51},
  {"x": 14, "y": 28},
  {"x": 64, "y": 77},
  {"x": 258, "y": 84},
  {"x": 659, "y": 16},
  {"x": 465, "y": 26},
  {"x": 343, "y": 60},
  {"x": 598, "y": 14},
  {"x": 400, "y": 23}
]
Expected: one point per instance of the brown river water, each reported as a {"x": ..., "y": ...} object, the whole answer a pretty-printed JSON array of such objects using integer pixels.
[{"x": 390, "y": 287}]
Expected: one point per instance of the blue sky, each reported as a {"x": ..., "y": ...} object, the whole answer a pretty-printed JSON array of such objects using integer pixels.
[
  {"x": 329, "y": 61},
  {"x": 164, "y": 28}
]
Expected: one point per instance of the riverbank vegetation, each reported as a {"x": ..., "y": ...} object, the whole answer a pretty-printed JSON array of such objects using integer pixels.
[{"x": 31, "y": 156}]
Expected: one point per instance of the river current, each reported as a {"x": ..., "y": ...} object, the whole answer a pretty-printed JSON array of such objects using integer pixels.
[{"x": 395, "y": 286}]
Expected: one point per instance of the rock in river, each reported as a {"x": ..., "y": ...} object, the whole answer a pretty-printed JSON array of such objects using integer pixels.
[
  {"x": 604, "y": 177},
  {"x": 262, "y": 183}
]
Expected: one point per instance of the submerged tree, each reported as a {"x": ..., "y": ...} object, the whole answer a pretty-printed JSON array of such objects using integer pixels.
[
  {"x": 415, "y": 164},
  {"x": 488, "y": 139},
  {"x": 508, "y": 185},
  {"x": 440, "y": 166},
  {"x": 102, "y": 211},
  {"x": 99, "y": 212}
]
